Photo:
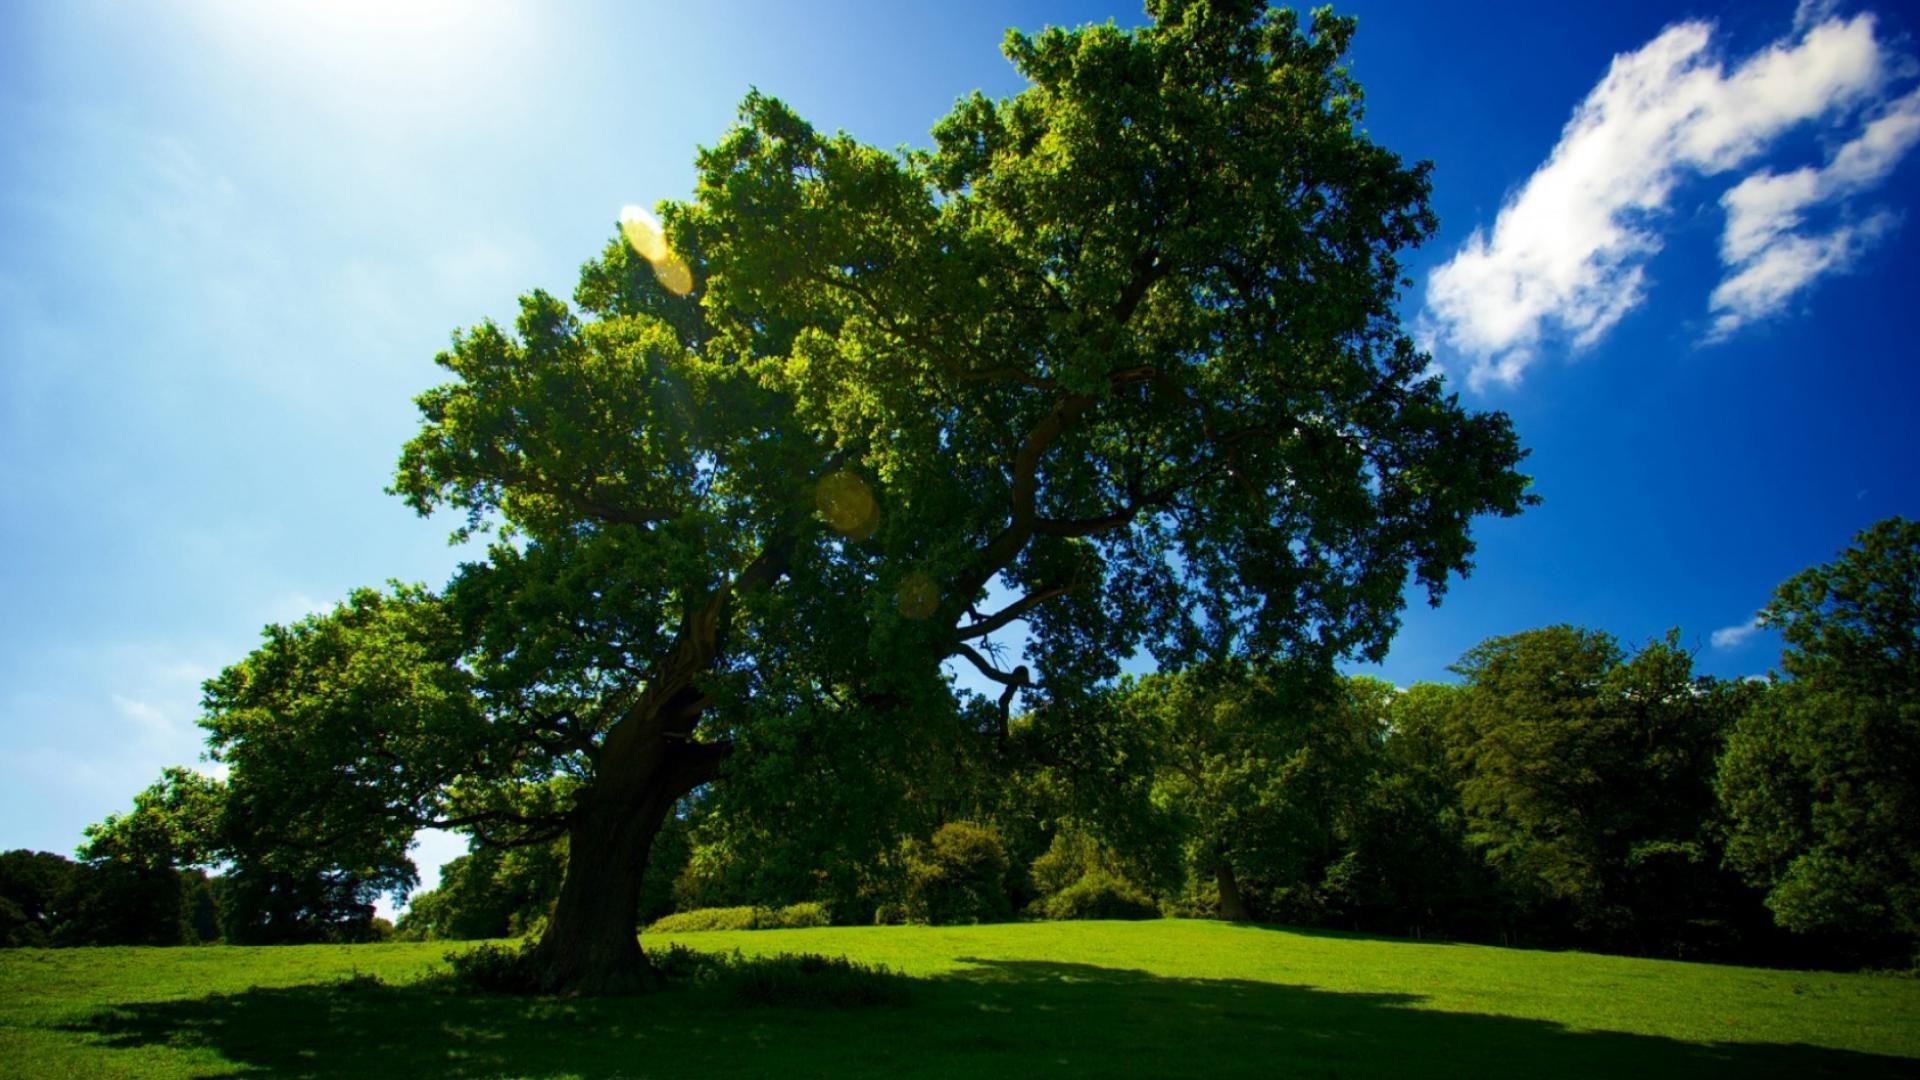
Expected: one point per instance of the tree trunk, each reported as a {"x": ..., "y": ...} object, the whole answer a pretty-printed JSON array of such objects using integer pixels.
[
  {"x": 648, "y": 760},
  {"x": 591, "y": 944},
  {"x": 1232, "y": 906}
]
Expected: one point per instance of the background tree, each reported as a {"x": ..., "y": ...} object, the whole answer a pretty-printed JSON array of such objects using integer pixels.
[
  {"x": 1260, "y": 765},
  {"x": 143, "y": 881},
  {"x": 1821, "y": 779},
  {"x": 490, "y": 892},
  {"x": 1587, "y": 779},
  {"x": 1406, "y": 866},
  {"x": 1122, "y": 349},
  {"x": 35, "y": 887}
]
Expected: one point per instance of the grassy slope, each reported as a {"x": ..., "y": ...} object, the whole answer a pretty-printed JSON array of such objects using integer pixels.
[{"x": 1093, "y": 999}]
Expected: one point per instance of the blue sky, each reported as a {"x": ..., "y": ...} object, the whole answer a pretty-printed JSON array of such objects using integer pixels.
[{"x": 1676, "y": 246}]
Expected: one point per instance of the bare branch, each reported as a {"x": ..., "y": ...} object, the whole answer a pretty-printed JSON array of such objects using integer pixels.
[
  {"x": 1013, "y": 680},
  {"x": 1010, "y": 613}
]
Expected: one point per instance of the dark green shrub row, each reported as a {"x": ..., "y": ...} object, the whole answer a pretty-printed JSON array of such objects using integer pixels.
[{"x": 791, "y": 917}]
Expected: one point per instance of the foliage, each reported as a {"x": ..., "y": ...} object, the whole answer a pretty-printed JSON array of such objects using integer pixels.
[
  {"x": 495, "y": 969},
  {"x": 1586, "y": 777},
  {"x": 34, "y": 886},
  {"x": 790, "y": 917},
  {"x": 488, "y": 893},
  {"x": 958, "y": 876},
  {"x": 1258, "y": 763},
  {"x": 1097, "y": 895},
  {"x": 175, "y": 822},
  {"x": 808, "y": 980},
  {"x": 1821, "y": 779},
  {"x": 1406, "y": 865},
  {"x": 1074, "y": 854}
]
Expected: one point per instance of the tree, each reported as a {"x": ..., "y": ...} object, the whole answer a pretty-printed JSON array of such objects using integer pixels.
[
  {"x": 1406, "y": 865},
  {"x": 1821, "y": 779},
  {"x": 1122, "y": 348},
  {"x": 1259, "y": 764},
  {"x": 34, "y": 888},
  {"x": 142, "y": 882},
  {"x": 1587, "y": 778},
  {"x": 490, "y": 892}
]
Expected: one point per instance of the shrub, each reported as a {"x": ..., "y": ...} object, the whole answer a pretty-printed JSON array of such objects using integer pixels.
[
  {"x": 495, "y": 969},
  {"x": 1098, "y": 895},
  {"x": 791, "y": 917},
  {"x": 799, "y": 916},
  {"x": 890, "y": 914},
  {"x": 959, "y": 876}
]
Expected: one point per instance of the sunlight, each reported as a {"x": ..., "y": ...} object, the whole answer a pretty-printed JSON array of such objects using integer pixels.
[{"x": 389, "y": 68}]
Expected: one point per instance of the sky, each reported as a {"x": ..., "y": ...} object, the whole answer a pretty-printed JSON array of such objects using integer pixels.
[{"x": 1676, "y": 245}]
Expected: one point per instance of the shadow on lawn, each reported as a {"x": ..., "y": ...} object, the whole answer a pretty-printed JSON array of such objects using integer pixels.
[{"x": 999, "y": 1017}]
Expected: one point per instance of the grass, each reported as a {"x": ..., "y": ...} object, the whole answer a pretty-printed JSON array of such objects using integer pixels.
[{"x": 1065, "y": 999}]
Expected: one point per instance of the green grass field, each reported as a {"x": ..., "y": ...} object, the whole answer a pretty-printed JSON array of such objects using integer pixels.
[{"x": 1167, "y": 998}]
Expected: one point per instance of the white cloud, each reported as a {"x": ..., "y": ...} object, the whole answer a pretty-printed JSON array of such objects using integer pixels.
[
  {"x": 1566, "y": 257},
  {"x": 1732, "y": 637},
  {"x": 1768, "y": 258},
  {"x": 1761, "y": 284}
]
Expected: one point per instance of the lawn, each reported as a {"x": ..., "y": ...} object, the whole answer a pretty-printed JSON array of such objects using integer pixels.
[{"x": 1060, "y": 999}]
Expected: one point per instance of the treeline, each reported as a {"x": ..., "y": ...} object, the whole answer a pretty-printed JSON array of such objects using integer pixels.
[
  {"x": 1566, "y": 791},
  {"x": 48, "y": 900},
  {"x": 142, "y": 879}
]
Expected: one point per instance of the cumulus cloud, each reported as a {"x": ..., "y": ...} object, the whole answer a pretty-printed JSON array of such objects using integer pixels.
[
  {"x": 1567, "y": 255},
  {"x": 1732, "y": 637}
]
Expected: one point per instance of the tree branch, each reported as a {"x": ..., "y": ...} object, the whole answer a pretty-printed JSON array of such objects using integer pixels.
[{"x": 1010, "y": 613}]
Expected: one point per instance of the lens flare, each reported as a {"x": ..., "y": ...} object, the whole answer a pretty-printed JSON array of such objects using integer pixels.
[
  {"x": 648, "y": 240},
  {"x": 643, "y": 232},
  {"x": 847, "y": 505},
  {"x": 674, "y": 275},
  {"x": 917, "y": 596}
]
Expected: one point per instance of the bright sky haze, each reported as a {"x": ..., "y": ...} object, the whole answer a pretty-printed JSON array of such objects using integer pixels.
[{"x": 1676, "y": 245}]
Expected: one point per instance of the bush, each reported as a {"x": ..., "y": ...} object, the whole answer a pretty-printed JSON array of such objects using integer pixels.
[
  {"x": 959, "y": 876},
  {"x": 791, "y": 917},
  {"x": 1098, "y": 895},
  {"x": 495, "y": 969},
  {"x": 800, "y": 916},
  {"x": 890, "y": 914}
]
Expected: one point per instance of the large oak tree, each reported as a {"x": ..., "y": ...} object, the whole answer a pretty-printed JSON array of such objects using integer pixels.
[{"x": 1117, "y": 360}]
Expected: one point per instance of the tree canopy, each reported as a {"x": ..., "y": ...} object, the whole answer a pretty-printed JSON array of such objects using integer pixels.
[{"x": 1822, "y": 780}]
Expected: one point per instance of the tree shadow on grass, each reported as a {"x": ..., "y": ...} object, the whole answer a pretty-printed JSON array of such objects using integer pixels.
[{"x": 997, "y": 1018}]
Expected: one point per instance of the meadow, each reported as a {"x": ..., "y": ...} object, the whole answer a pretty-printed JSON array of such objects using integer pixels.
[{"x": 1152, "y": 998}]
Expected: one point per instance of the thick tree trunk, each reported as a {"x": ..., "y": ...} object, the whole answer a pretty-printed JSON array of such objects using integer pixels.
[
  {"x": 592, "y": 944},
  {"x": 1232, "y": 906},
  {"x": 648, "y": 760}
]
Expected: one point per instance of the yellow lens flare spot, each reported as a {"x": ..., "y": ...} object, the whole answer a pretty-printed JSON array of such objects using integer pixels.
[
  {"x": 644, "y": 234},
  {"x": 648, "y": 240},
  {"x": 847, "y": 505},
  {"x": 674, "y": 275},
  {"x": 917, "y": 596}
]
